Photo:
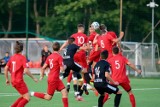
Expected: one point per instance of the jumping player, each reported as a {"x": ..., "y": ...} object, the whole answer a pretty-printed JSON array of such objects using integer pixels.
[
  {"x": 101, "y": 75},
  {"x": 17, "y": 66},
  {"x": 107, "y": 40},
  {"x": 118, "y": 68},
  {"x": 55, "y": 64}
]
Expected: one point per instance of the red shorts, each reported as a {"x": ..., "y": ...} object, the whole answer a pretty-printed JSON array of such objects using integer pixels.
[
  {"x": 80, "y": 58},
  {"x": 55, "y": 85},
  {"x": 94, "y": 56},
  {"x": 21, "y": 87},
  {"x": 126, "y": 86}
]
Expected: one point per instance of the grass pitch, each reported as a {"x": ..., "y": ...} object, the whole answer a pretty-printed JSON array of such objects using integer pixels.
[{"x": 146, "y": 90}]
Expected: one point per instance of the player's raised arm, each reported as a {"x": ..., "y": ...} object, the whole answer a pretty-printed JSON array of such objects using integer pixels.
[
  {"x": 64, "y": 45},
  {"x": 6, "y": 74},
  {"x": 118, "y": 39}
]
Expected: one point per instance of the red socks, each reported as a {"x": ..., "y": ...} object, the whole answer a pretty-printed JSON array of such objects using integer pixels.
[
  {"x": 132, "y": 100},
  {"x": 22, "y": 103},
  {"x": 69, "y": 77},
  {"x": 39, "y": 95},
  {"x": 65, "y": 102},
  {"x": 16, "y": 102},
  {"x": 105, "y": 98}
]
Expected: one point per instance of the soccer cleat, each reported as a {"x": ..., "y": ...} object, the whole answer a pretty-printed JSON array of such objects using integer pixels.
[
  {"x": 68, "y": 88},
  {"x": 31, "y": 93},
  {"x": 79, "y": 98}
]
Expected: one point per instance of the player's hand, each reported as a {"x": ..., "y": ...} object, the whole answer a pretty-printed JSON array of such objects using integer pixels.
[
  {"x": 121, "y": 34},
  {"x": 116, "y": 83},
  {"x": 35, "y": 79},
  {"x": 7, "y": 82}
]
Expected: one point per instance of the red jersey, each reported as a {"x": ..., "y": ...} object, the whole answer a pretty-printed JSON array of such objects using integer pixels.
[
  {"x": 80, "y": 38},
  {"x": 91, "y": 37},
  {"x": 54, "y": 61},
  {"x": 16, "y": 65},
  {"x": 118, "y": 68},
  {"x": 105, "y": 41}
]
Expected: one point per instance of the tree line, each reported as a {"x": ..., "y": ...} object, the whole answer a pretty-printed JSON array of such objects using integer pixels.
[{"x": 58, "y": 18}]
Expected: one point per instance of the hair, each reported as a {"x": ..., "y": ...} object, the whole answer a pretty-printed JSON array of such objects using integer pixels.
[
  {"x": 80, "y": 26},
  {"x": 104, "y": 54},
  {"x": 18, "y": 47},
  {"x": 103, "y": 28},
  {"x": 71, "y": 40},
  {"x": 7, "y": 52},
  {"x": 56, "y": 46},
  {"x": 115, "y": 50}
]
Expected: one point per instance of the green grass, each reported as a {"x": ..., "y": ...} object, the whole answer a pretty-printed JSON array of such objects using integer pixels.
[{"x": 144, "y": 98}]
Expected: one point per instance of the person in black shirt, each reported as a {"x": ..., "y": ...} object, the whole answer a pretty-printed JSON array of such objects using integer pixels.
[
  {"x": 68, "y": 57},
  {"x": 101, "y": 76},
  {"x": 44, "y": 54}
]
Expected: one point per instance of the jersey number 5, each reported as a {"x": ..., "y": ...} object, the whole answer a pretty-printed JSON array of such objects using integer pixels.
[
  {"x": 51, "y": 63},
  {"x": 117, "y": 64}
]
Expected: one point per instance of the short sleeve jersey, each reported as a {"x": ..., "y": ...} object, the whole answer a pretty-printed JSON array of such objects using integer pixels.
[
  {"x": 105, "y": 42},
  {"x": 80, "y": 39},
  {"x": 118, "y": 68},
  {"x": 17, "y": 64},
  {"x": 54, "y": 61},
  {"x": 99, "y": 70},
  {"x": 70, "y": 51}
]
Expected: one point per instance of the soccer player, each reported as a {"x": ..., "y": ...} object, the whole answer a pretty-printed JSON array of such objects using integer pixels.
[
  {"x": 17, "y": 66},
  {"x": 107, "y": 40},
  {"x": 55, "y": 64},
  {"x": 71, "y": 64},
  {"x": 4, "y": 60},
  {"x": 118, "y": 68},
  {"x": 101, "y": 75},
  {"x": 80, "y": 57},
  {"x": 44, "y": 54}
]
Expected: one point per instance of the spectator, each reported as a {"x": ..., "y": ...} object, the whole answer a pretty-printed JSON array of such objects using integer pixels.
[{"x": 4, "y": 60}]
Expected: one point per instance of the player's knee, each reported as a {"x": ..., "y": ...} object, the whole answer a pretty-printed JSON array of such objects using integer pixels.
[
  {"x": 130, "y": 92},
  {"x": 119, "y": 92},
  {"x": 26, "y": 96},
  {"x": 48, "y": 97},
  {"x": 64, "y": 93}
]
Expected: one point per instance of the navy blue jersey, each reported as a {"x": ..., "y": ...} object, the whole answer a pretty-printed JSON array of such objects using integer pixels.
[
  {"x": 99, "y": 70},
  {"x": 70, "y": 51}
]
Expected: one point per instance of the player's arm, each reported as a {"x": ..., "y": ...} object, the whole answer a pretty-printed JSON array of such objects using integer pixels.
[
  {"x": 26, "y": 71},
  {"x": 134, "y": 67},
  {"x": 107, "y": 75},
  {"x": 95, "y": 40},
  {"x": 118, "y": 39},
  {"x": 6, "y": 74},
  {"x": 64, "y": 45},
  {"x": 42, "y": 71}
]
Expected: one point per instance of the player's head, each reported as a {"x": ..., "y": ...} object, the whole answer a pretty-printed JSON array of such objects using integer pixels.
[
  {"x": 7, "y": 54},
  {"x": 18, "y": 47},
  {"x": 56, "y": 46},
  {"x": 71, "y": 40},
  {"x": 45, "y": 48},
  {"x": 103, "y": 28},
  {"x": 104, "y": 54},
  {"x": 91, "y": 29},
  {"x": 80, "y": 28},
  {"x": 115, "y": 50}
]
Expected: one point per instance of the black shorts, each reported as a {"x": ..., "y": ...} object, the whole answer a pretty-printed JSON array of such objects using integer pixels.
[
  {"x": 76, "y": 75},
  {"x": 108, "y": 89},
  {"x": 71, "y": 65}
]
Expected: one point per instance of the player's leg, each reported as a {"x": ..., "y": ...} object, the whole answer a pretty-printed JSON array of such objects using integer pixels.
[
  {"x": 24, "y": 99},
  {"x": 68, "y": 81},
  {"x": 126, "y": 86},
  {"x": 113, "y": 89},
  {"x": 75, "y": 83},
  {"x": 64, "y": 93},
  {"x": 101, "y": 91}
]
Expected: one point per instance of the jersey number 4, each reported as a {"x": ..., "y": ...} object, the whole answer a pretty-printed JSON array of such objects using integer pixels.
[
  {"x": 97, "y": 71},
  {"x": 117, "y": 64}
]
